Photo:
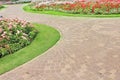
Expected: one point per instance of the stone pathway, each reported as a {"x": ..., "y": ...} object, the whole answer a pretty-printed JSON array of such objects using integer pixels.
[{"x": 89, "y": 49}]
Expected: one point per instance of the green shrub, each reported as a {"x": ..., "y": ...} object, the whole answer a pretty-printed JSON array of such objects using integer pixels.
[
  {"x": 3, "y": 52},
  {"x": 15, "y": 34}
]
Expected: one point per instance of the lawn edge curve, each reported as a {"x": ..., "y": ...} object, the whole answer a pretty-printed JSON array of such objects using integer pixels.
[{"x": 45, "y": 39}]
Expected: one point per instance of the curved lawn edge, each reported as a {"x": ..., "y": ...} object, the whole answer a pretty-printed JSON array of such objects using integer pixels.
[
  {"x": 28, "y": 9},
  {"x": 45, "y": 39}
]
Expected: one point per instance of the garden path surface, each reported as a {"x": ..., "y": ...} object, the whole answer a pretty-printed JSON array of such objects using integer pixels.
[{"x": 89, "y": 49}]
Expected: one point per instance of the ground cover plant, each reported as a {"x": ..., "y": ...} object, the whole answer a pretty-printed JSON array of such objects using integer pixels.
[
  {"x": 14, "y": 35},
  {"x": 101, "y": 7}
]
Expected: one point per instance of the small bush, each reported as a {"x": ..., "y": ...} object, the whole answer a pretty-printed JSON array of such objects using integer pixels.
[{"x": 15, "y": 34}]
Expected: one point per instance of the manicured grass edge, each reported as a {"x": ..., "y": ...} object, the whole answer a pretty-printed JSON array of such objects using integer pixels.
[
  {"x": 28, "y": 9},
  {"x": 45, "y": 39}
]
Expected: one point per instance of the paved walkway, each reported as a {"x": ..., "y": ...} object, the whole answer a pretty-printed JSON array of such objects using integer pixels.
[{"x": 89, "y": 49}]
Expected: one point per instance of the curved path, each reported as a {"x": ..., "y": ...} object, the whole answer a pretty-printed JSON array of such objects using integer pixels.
[{"x": 89, "y": 49}]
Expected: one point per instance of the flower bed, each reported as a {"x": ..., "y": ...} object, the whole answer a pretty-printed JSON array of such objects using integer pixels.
[
  {"x": 82, "y": 7},
  {"x": 14, "y": 35}
]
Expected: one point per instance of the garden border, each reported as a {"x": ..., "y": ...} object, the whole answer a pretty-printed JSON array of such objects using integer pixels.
[{"x": 57, "y": 13}]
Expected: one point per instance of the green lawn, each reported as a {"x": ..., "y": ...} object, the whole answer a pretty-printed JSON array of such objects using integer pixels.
[
  {"x": 45, "y": 39},
  {"x": 27, "y": 8}
]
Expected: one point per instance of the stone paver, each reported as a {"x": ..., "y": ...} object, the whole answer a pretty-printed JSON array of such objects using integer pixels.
[{"x": 89, "y": 49}]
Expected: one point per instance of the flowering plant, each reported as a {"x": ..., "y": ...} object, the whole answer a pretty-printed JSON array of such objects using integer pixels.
[
  {"x": 14, "y": 35},
  {"x": 84, "y": 7}
]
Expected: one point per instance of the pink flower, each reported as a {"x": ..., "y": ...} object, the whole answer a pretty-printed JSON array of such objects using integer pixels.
[{"x": 10, "y": 25}]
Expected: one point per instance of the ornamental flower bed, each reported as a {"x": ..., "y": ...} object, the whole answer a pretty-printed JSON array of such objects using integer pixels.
[
  {"x": 83, "y": 7},
  {"x": 14, "y": 35}
]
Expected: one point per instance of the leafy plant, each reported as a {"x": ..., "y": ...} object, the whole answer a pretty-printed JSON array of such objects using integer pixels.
[
  {"x": 15, "y": 34},
  {"x": 82, "y": 7}
]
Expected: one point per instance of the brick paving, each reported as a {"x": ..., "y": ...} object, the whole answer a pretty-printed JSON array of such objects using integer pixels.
[{"x": 89, "y": 49}]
